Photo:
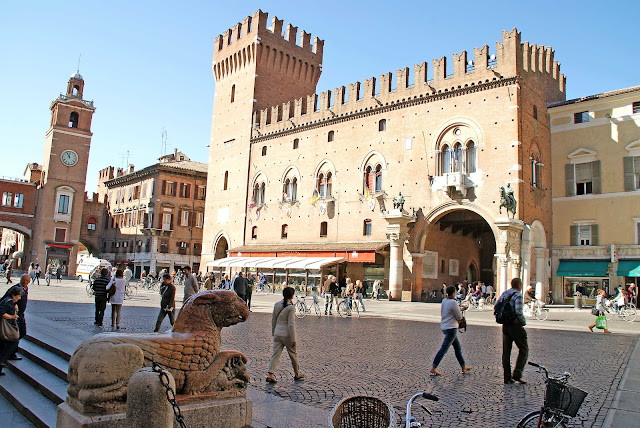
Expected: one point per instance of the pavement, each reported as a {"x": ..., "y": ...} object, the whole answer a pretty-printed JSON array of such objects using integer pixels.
[{"x": 387, "y": 353}]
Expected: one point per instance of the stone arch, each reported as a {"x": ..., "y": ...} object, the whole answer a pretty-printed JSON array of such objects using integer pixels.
[
  {"x": 371, "y": 154},
  {"x": 323, "y": 162},
  {"x": 290, "y": 169},
  {"x": 17, "y": 227},
  {"x": 257, "y": 176},
  {"x": 456, "y": 121},
  {"x": 220, "y": 245}
]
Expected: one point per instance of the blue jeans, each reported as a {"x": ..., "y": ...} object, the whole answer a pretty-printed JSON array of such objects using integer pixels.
[{"x": 450, "y": 337}]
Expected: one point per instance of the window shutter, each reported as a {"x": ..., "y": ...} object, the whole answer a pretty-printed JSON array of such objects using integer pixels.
[
  {"x": 187, "y": 190},
  {"x": 627, "y": 163},
  {"x": 569, "y": 179},
  {"x": 595, "y": 170},
  {"x": 164, "y": 186},
  {"x": 574, "y": 235},
  {"x": 594, "y": 234}
]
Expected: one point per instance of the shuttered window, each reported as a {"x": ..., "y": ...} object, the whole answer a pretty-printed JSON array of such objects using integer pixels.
[
  {"x": 631, "y": 166},
  {"x": 582, "y": 178},
  {"x": 584, "y": 235}
]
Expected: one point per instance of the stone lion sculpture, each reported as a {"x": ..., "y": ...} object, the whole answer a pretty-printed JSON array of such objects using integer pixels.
[{"x": 100, "y": 368}]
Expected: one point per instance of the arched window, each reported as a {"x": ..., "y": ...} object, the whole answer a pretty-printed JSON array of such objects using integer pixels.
[
  {"x": 254, "y": 232},
  {"x": 233, "y": 93},
  {"x": 91, "y": 223},
  {"x": 262, "y": 190},
  {"x": 366, "y": 227},
  {"x": 264, "y": 150},
  {"x": 76, "y": 90},
  {"x": 290, "y": 189},
  {"x": 330, "y": 137},
  {"x": 321, "y": 187},
  {"x": 368, "y": 180},
  {"x": 73, "y": 120},
  {"x": 457, "y": 158},
  {"x": 378, "y": 178},
  {"x": 226, "y": 180},
  {"x": 382, "y": 125},
  {"x": 323, "y": 229},
  {"x": 285, "y": 231},
  {"x": 536, "y": 171},
  {"x": 328, "y": 184},
  {"x": 471, "y": 157},
  {"x": 446, "y": 159},
  {"x": 296, "y": 143}
]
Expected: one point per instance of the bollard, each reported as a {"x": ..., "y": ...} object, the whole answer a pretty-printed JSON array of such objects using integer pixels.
[
  {"x": 147, "y": 404},
  {"x": 577, "y": 300}
]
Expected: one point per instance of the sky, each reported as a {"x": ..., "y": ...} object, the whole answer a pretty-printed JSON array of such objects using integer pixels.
[{"x": 147, "y": 64}]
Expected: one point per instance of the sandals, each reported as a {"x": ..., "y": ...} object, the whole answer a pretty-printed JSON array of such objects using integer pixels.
[
  {"x": 299, "y": 376},
  {"x": 465, "y": 369},
  {"x": 434, "y": 372}
]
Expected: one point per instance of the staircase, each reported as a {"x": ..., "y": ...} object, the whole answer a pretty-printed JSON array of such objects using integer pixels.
[{"x": 36, "y": 384}]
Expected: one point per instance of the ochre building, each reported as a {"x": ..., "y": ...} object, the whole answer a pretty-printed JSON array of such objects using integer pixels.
[{"x": 297, "y": 173}]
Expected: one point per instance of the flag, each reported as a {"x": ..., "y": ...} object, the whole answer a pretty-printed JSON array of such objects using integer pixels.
[
  {"x": 285, "y": 197},
  {"x": 258, "y": 213},
  {"x": 252, "y": 203},
  {"x": 366, "y": 192},
  {"x": 315, "y": 196}
]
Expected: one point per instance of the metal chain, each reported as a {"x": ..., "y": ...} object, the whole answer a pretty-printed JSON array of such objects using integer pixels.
[{"x": 171, "y": 396}]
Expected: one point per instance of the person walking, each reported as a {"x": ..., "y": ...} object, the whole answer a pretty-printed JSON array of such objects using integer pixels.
[
  {"x": 283, "y": 330},
  {"x": 117, "y": 299},
  {"x": 38, "y": 273},
  {"x": 249, "y": 286},
  {"x": 25, "y": 279},
  {"x": 8, "y": 307},
  {"x": 32, "y": 271},
  {"x": 513, "y": 331},
  {"x": 59, "y": 274},
  {"x": 239, "y": 285},
  {"x": 376, "y": 289},
  {"x": 326, "y": 293},
  {"x": 359, "y": 293},
  {"x": 127, "y": 274},
  {"x": 190, "y": 284},
  {"x": 101, "y": 295},
  {"x": 450, "y": 315},
  {"x": 598, "y": 310},
  {"x": 167, "y": 301},
  {"x": 9, "y": 271},
  {"x": 335, "y": 292},
  {"x": 208, "y": 283}
]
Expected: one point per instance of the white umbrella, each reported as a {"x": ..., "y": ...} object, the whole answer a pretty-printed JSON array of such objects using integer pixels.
[{"x": 17, "y": 254}]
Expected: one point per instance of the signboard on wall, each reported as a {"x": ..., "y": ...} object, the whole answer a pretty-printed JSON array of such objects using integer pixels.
[
  {"x": 454, "y": 267},
  {"x": 430, "y": 265}
]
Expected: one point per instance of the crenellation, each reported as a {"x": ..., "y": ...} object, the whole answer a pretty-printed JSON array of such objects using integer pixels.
[
  {"x": 318, "y": 46},
  {"x": 385, "y": 84},
  {"x": 236, "y": 32},
  {"x": 460, "y": 64},
  {"x": 526, "y": 56},
  {"x": 247, "y": 26},
  {"x": 276, "y": 26},
  {"x": 291, "y": 34},
  {"x": 305, "y": 41},
  {"x": 340, "y": 96},
  {"x": 354, "y": 92},
  {"x": 542, "y": 54},
  {"x": 402, "y": 78},
  {"x": 548, "y": 64},
  {"x": 481, "y": 57},
  {"x": 369, "y": 88},
  {"x": 534, "y": 58},
  {"x": 420, "y": 74},
  {"x": 556, "y": 69},
  {"x": 439, "y": 69}
]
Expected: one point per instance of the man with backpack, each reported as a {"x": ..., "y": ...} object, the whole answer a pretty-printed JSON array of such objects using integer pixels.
[{"x": 508, "y": 312}]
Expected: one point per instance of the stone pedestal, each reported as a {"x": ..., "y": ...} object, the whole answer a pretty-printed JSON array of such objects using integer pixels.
[
  {"x": 225, "y": 413},
  {"x": 508, "y": 251},
  {"x": 397, "y": 232}
]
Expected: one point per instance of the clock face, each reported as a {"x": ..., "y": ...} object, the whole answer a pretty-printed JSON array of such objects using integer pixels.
[{"x": 69, "y": 158}]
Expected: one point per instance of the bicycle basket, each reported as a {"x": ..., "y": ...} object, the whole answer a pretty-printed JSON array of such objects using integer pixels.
[
  {"x": 563, "y": 397},
  {"x": 362, "y": 412}
]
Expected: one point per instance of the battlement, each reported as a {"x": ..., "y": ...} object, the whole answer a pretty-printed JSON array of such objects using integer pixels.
[
  {"x": 512, "y": 60},
  {"x": 251, "y": 40}
]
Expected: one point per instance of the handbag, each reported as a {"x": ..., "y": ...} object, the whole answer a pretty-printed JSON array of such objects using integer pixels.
[
  {"x": 9, "y": 331},
  {"x": 601, "y": 322},
  {"x": 462, "y": 324},
  {"x": 595, "y": 312}
]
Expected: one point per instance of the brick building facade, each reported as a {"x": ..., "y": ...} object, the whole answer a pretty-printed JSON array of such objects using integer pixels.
[{"x": 316, "y": 174}]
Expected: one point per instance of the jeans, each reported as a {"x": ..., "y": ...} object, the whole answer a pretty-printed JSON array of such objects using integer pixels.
[
  {"x": 359, "y": 297},
  {"x": 101, "y": 305},
  {"x": 514, "y": 333},
  {"x": 450, "y": 338},
  {"x": 161, "y": 316}
]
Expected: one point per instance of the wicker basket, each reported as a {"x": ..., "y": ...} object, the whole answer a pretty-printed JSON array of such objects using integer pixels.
[
  {"x": 362, "y": 412},
  {"x": 564, "y": 397}
]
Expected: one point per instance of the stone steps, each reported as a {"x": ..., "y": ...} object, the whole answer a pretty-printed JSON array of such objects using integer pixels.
[{"x": 36, "y": 407}]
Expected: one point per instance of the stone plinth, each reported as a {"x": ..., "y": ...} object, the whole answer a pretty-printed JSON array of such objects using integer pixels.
[
  {"x": 224, "y": 413},
  {"x": 397, "y": 232}
]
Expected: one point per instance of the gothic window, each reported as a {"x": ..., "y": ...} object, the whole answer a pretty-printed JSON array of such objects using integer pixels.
[
  {"x": 378, "y": 178},
  {"x": 382, "y": 125},
  {"x": 73, "y": 120},
  {"x": 446, "y": 159},
  {"x": 330, "y": 136},
  {"x": 323, "y": 229},
  {"x": 457, "y": 158},
  {"x": 536, "y": 171},
  {"x": 296, "y": 143},
  {"x": 366, "y": 229},
  {"x": 290, "y": 189},
  {"x": 535, "y": 112},
  {"x": 471, "y": 157},
  {"x": 259, "y": 188},
  {"x": 324, "y": 181},
  {"x": 368, "y": 180}
]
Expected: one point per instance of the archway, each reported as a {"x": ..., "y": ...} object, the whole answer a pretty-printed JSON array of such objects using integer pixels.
[
  {"x": 221, "y": 248},
  {"x": 15, "y": 239}
]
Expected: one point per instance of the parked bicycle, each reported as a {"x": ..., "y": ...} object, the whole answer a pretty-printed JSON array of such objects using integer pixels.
[
  {"x": 626, "y": 312},
  {"x": 89, "y": 289},
  {"x": 411, "y": 421},
  {"x": 302, "y": 309},
  {"x": 346, "y": 308},
  {"x": 561, "y": 402},
  {"x": 535, "y": 308},
  {"x": 130, "y": 290}
]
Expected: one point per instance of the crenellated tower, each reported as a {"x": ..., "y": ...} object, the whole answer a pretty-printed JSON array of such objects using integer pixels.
[{"x": 256, "y": 64}]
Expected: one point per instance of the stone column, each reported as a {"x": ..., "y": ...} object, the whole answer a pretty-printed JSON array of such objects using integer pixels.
[
  {"x": 541, "y": 277},
  {"x": 397, "y": 234},
  {"x": 503, "y": 263}
]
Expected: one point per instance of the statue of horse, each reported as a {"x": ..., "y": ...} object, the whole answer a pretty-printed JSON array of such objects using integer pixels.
[{"x": 508, "y": 200}]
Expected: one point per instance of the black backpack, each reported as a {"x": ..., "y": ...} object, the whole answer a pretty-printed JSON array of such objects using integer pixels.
[{"x": 504, "y": 312}]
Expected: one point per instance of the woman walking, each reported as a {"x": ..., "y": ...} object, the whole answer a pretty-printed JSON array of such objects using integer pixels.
[
  {"x": 599, "y": 309},
  {"x": 8, "y": 312},
  {"x": 359, "y": 293},
  {"x": 451, "y": 314},
  {"x": 283, "y": 330},
  {"x": 117, "y": 299}
]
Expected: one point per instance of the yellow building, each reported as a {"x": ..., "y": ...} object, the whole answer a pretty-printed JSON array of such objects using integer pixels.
[{"x": 595, "y": 153}]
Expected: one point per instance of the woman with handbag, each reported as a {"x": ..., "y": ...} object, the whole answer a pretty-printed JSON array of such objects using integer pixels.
[
  {"x": 283, "y": 330},
  {"x": 9, "y": 332},
  {"x": 451, "y": 317},
  {"x": 598, "y": 311},
  {"x": 117, "y": 298}
]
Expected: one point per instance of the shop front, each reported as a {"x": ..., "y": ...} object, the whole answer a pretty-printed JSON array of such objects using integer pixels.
[
  {"x": 58, "y": 257},
  {"x": 583, "y": 276},
  {"x": 630, "y": 271}
]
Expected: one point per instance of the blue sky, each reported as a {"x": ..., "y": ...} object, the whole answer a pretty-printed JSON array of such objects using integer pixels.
[{"x": 147, "y": 64}]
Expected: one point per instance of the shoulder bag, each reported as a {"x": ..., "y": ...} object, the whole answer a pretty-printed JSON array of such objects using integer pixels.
[
  {"x": 462, "y": 324},
  {"x": 9, "y": 331}
]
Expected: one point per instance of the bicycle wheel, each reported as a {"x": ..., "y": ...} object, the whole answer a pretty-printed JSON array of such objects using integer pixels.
[
  {"x": 301, "y": 309},
  {"x": 343, "y": 309},
  {"x": 481, "y": 305},
  {"x": 316, "y": 307},
  {"x": 549, "y": 420},
  {"x": 134, "y": 290},
  {"x": 627, "y": 314},
  {"x": 608, "y": 313},
  {"x": 542, "y": 313},
  {"x": 89, "y": 290},
  {"x": 356, "y": 309}
]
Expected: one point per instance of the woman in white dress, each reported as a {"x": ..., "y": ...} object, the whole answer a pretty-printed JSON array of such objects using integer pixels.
[{"x": 117, "y": 299}]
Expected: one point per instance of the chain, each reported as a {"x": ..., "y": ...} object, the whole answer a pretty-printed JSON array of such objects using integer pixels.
[{"x": 171, "y": 396}]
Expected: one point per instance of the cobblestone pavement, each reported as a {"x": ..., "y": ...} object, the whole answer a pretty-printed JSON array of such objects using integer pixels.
[{"x": 390, "y": 358}]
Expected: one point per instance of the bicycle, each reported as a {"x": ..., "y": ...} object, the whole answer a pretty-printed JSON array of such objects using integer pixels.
[
  {"x": 535, "y": 307},
  {"x": 130, "y": 291},
  {"x": 411, "y": 421},
  {"x": 346, "y": 308},
  {"x": 626, "y": 312},
  {"x": 561, "y": 402},
  {"x": 89, "y": 289},
  {"x": 302, "y": 309}
]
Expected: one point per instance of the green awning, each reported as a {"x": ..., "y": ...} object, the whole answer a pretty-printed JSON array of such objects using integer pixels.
[
  {"x": 629, "y": 268},
  {"x": 596, "y": 268}
]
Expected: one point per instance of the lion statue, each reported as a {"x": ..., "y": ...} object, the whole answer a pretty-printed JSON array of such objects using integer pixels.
[{"x": 100, "y": 368}]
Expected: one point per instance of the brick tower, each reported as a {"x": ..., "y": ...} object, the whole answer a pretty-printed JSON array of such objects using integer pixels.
[
  {"x": 254, "y": 67},
  {"x": 64, "y": 174}
]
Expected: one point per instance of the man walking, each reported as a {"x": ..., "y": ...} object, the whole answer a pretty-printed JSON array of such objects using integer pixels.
[
  {"x": 190, "y": 284},
  {"x": 326, "y": 289},
  {"x": 335, "y": 291},
  {"x": 250, "y": 284},
  {"x": 128, "y": 274},
  {"x": 167, "y": 301},
  {"x": 100, "y": 293},
  {"x": 513, "y": 323},
  {"x": 239, "y": 285}
]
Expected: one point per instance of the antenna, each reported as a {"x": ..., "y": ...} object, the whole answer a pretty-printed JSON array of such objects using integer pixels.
[
  {"x": 163, "y": 147},
  {"x": 79, "y": 57}
]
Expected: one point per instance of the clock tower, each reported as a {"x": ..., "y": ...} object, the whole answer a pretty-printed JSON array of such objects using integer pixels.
[{"x": 64, "y": 174}]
